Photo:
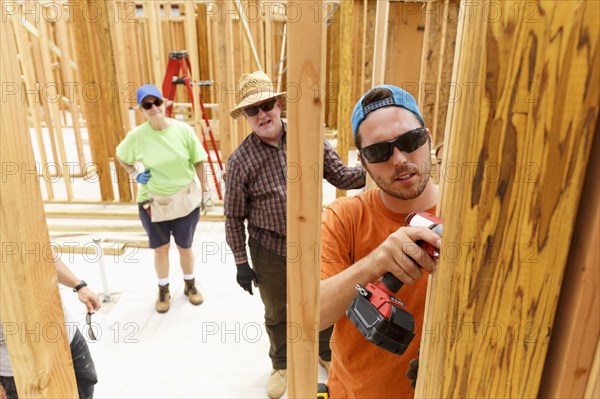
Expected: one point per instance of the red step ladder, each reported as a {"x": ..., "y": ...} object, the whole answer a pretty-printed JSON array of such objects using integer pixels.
[{"x": 179, "y": 62}]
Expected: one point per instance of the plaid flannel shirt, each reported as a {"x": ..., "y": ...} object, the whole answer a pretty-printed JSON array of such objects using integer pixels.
[{"x": 255, "y": 190}]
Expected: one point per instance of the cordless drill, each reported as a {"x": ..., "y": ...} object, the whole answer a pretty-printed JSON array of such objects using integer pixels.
[{"x": 381, "y": 318}]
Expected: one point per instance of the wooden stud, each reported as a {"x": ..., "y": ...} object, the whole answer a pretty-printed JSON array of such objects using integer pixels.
[
  {"x": 332, "y": 71},
  {"x": 380, "y": 42},
  {"x": 304, "y": 194},
  {"x": 40, "y": 77},
  {"x": 430, "y": 63},
  {"x": 405, "y": 46},
  {"x": 451, "y": 15},
  {"x": 345, "y": 100},
  {"x": 223, "y": 82},
  {"x": 205, "y": 70},
  {"x": 156, "y": 51},
  {"x": 576, "y": 329},
  {"x": 246, "y": 30},
  {"x": 67, "y": 74},
  {"x": 379, "y": 55},
  {"x": 500, "y": 290},
  {"x": 233, "y": 75},
  {"x": 192, "y": 46},
  {"x": 32, "y": 315},
  {"x": 103, "y": 114},
  {"x": 268, "y": 39},
  {"x": 29, "y": 82},
  {"x": 52, "y": 92},
  {"x": 282, "y": 56}
]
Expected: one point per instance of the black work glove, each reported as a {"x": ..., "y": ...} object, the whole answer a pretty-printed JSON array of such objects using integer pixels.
[
  {"x": 245, "y": 277},
  {"x": 413, "y": 371}
]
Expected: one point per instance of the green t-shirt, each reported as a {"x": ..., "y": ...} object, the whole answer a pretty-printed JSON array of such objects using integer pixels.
[{"x": 170, "y": 155}]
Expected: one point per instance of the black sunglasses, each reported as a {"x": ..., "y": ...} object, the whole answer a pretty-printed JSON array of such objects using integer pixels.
[
  {"x": 407, "y": 142},
  {"x": 266, "y": 107},
  {"x": 90, "y": 330},
  {"x": 147, "y": 105}
]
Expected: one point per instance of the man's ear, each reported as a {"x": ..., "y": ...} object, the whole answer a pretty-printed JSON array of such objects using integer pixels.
[{"x": 362, "y": 160}]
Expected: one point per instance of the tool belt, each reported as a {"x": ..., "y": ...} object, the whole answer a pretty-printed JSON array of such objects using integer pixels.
[{"x": 174, "y": 206}]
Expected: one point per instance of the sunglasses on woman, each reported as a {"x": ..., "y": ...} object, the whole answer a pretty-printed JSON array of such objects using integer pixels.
[
  {"x": 407, "y": 142},
  {"x": 147, "y": 105},
  {"x": 266, "y": 107}
]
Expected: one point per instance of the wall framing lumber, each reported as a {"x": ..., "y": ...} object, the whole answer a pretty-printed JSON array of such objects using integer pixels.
[
  {"x": 501, "y": 290},
  {"x": 32, "y": 98},
  {"x": 54, "y": 115},
  {"x": 441, "y": 17},
  {"x": 405, "y": 45},
  {"x": 224, "y": 80},
  {"x": 105, "y": 123},
  {"x": 382, "y": 16},
  {"x": 41, "y": 364},
  {"x": 62, "y": 36},
  {"x": 304, "y": 197},
  {"x": 345, "y": 100},
  {"x": 569, "y": 364}
]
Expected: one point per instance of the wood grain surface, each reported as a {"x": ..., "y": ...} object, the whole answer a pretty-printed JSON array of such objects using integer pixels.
[{"x": 519, "y": 134}]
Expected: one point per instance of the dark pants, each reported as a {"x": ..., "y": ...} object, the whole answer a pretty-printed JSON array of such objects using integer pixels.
[
  {"x": 83, "y": 364},
  {"x": 8, "y": 383},
  {"x": 270, "y": 275},
  {"x": 270, "y": 270},
  {"x": 324, "y": 349},
  {"x": 85, "y": 371}
]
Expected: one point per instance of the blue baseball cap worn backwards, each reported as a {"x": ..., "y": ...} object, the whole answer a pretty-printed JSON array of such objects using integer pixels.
[
  {"x": 147, "y": 90},
  {"x": 400, "y": 98}
]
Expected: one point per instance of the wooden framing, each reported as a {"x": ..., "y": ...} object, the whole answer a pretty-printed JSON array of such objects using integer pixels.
[
  {"x": 32, "y": 315},
  {"x": 405, "y": 45},
  {"x": 345, "y": 101},
  {"x": 104, "y": 122},
  {"x": 436, "y": 65},
  {"x": 569, "y": 370},
  {"x": 381, "y": 37},
  {"x": 492, "y": 303},
  {"x": 304, "y": 198}
]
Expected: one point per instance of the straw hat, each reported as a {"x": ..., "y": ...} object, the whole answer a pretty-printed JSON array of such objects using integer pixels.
[{"x": 254, "y": 88}]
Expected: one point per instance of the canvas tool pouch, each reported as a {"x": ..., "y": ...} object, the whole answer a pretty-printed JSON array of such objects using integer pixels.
[{"x": 177, "y": 205}]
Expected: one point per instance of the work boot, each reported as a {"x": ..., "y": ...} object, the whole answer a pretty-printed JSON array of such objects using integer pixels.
[
  {"x": 325, "y": 363},
  {"x": 277, "y": 384},
  {"x": 192, "y": 293},
  {"x": 163, "y": 302}
]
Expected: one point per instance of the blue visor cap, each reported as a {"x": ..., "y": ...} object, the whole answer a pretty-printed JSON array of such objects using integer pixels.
[
  {"x": 147, "y": 90},
  {"x": 400, "y": 98}
]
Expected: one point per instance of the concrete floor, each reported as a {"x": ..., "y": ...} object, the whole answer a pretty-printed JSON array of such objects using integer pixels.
[{"x": 216, "y": 350}]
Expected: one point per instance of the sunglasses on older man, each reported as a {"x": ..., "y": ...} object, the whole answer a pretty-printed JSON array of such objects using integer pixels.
[
  {"x": 266, "y": 107},
  {"x": 147, "y": 105},
  {"x": 407, "y": 142}
]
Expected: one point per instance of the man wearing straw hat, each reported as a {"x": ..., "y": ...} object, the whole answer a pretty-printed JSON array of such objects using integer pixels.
[{"x": 256, "y": 193}]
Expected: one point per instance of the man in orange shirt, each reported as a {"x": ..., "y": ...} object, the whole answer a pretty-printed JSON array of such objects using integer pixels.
[{"x": 364, "y": 237}]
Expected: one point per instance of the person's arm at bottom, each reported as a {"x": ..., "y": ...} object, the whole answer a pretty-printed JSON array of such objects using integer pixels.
[{"x": 67, "y": 278}]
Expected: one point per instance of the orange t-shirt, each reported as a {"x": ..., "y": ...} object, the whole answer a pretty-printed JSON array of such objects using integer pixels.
[{"x": 352, "y": 228}]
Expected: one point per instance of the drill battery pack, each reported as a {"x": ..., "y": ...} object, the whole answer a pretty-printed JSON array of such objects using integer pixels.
[{"x": 389, "y": 326}]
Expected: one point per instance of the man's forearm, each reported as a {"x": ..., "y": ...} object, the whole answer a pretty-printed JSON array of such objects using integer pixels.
[{"x": 65, "y": 276}]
